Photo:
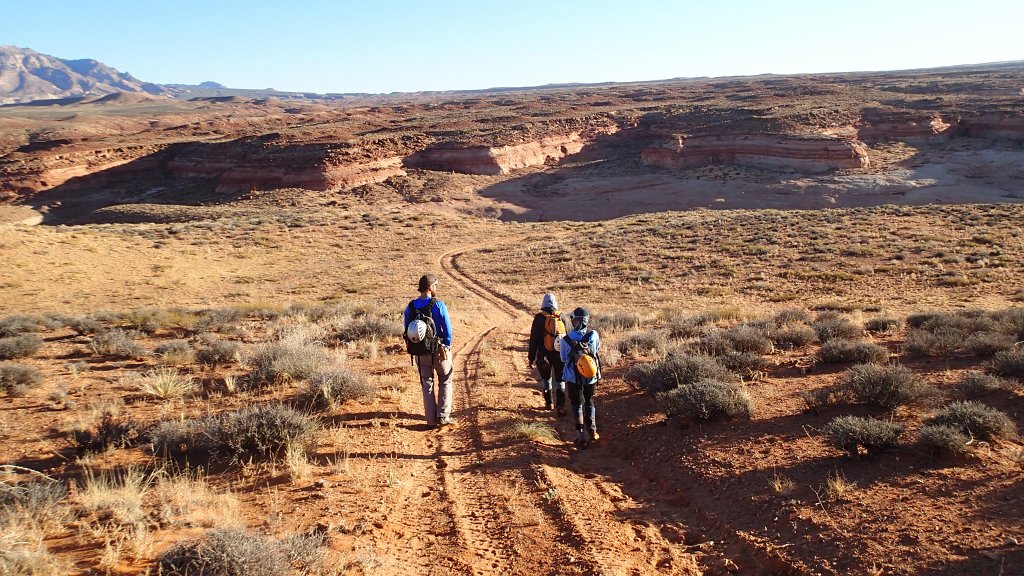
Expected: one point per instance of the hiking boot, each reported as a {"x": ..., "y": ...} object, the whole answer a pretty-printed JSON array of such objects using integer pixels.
[
  {"x": 594, "y": 435},
  {"x": 547, "y": 405},
  {"x": 447, "y": 421},
  {"x": 581, "y": 439}
]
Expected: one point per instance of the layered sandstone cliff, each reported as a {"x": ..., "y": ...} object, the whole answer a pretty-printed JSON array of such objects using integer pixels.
[
  {"x": 492, "y": 160},
  {"x": 810, "y": 153},
  {"x": 994, "y": 126}
]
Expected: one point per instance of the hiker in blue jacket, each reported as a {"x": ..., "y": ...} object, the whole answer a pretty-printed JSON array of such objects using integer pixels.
[
  {"x": 582, "y": 372},
  {"x": 436, "y": 357}
]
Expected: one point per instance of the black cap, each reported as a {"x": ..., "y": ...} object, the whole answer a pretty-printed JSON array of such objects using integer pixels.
[
  {"x": 426, "y": 281},
  {"x": 581, "y": 313}
]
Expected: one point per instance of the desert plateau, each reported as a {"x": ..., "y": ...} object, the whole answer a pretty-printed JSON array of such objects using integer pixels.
[{"x": 808, "y": 289}]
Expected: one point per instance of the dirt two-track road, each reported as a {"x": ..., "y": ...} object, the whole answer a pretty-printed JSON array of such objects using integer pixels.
[{"x": 488, "y": 501}]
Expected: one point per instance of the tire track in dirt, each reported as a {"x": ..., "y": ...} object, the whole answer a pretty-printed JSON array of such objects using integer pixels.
[{"x": 593, "y": 529}]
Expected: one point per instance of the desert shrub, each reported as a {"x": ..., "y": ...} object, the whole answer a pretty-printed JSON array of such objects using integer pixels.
[
  {"x": 40, "y": 500},
  {"x": 988, "y": 343},
  {"x": 175, "y": 353},
  {"x": 744, "y": 362},
  {"x": 942, "y": 440},
  {"x": 1010, "y": 321},
  {"x": 1009, "y": 363},
  {"x": 337, "y": 386},
  {"x": 117, "y": 343},
  {"x": 883, "y": 325},
  {"x": 651, "y": 343},
  {"x": 794, "y": 335},
  {"x": 748, "y": 338},
  {"x": 21, "y": 324},
  {"x": 919, "y": 319},
  {"x": 145, "y": 320},
  {"x": 83, "y": 325},
  {"x": 290, "y": 359},
  {"x": 884, "y": 386},
  {"x": 677, "y": 370},
  {"x": 707, "y": 400},
  {"x": 256, "y": 430},
  {"x": 712, "y": 344},
  {"x": 367, "y": 327},
  {"x": 940, "y": 343},
  {"x": 974, "y": 383},
  {"x": 21, "y": 346},
  {"x": 610, "y": 357},
  {"x": 688, "y": 326},
  {"x": 616, "y": 321},
  {"x": 286, "y": 360},
  {"x": 976, "y": 419},
  {"x": 264, "y": 430},
  {"x": 214, "y": 351},
  {"x": 165, "y": 383},
  {"x": 838, "y": 350},
  {"x": 828, "y": 327},
  {"x": 792, "y": 316},
  {"x": 819, "y": 398},
  {"x": 16, "y": 379},
  {"x": 852, "y": 432},
  {"x": 225, "y": 552},
  {"x": 108, "y": 430}
]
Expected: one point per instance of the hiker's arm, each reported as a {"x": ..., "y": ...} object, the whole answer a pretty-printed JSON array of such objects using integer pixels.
[
  {"x": 531, "y": 355},
  {"x": 444, "y": 324}
]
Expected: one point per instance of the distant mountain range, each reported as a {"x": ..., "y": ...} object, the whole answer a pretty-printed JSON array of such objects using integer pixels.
[
  {"x": 30, "y": 77},
  {"x": 27, "y": 76}
]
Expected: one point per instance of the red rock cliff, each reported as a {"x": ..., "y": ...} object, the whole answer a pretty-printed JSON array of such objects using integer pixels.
[{"x": 812, "y": 153}]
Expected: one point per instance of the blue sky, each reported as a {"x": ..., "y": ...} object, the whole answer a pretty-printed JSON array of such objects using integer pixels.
[{"x": 392, "y": 45}]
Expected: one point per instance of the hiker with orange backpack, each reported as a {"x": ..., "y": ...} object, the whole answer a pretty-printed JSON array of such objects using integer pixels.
[
  {"x": 428, "y": 338},
  {"x": 582, "y": 372},
  {"x": 544, "y": 350}
]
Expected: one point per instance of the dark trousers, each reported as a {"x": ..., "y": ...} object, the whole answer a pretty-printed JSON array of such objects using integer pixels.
[
  {"x": 550, "y": 367},
  {"x": 582, "y": 398}
]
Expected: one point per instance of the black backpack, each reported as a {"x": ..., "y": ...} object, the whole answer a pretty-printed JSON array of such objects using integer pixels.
[
  {"x": 428, "y": 345},
  {"x": 585, "y": 362}
]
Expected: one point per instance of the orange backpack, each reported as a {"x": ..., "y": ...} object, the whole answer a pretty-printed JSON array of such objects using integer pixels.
[{"x": 554, "y": 330}]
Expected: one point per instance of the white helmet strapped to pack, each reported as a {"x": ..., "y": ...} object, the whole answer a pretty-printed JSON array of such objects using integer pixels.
[{"x": 416, "y": 331}]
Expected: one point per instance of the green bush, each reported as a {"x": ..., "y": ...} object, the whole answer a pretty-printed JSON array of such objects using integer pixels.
[
  {"x": 884, "y": 386},
  {"x": 16, "y": 379},
  {"x": 1008, "y": 363},
  {"x": 942, "y": 440},
  {"x": 226, "y": 552},
  {"x": 337, "y": 386},
  {"x": 707, "y": 401},
  {"x": 838, "y": 350},
  {"x": 852, "y": 432},
  {"x": 21, "y": 346},
  {"x": 677, "y": 370},
  {"x": 117, "y": 343},
  {"x": 975, "y": 419}
]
